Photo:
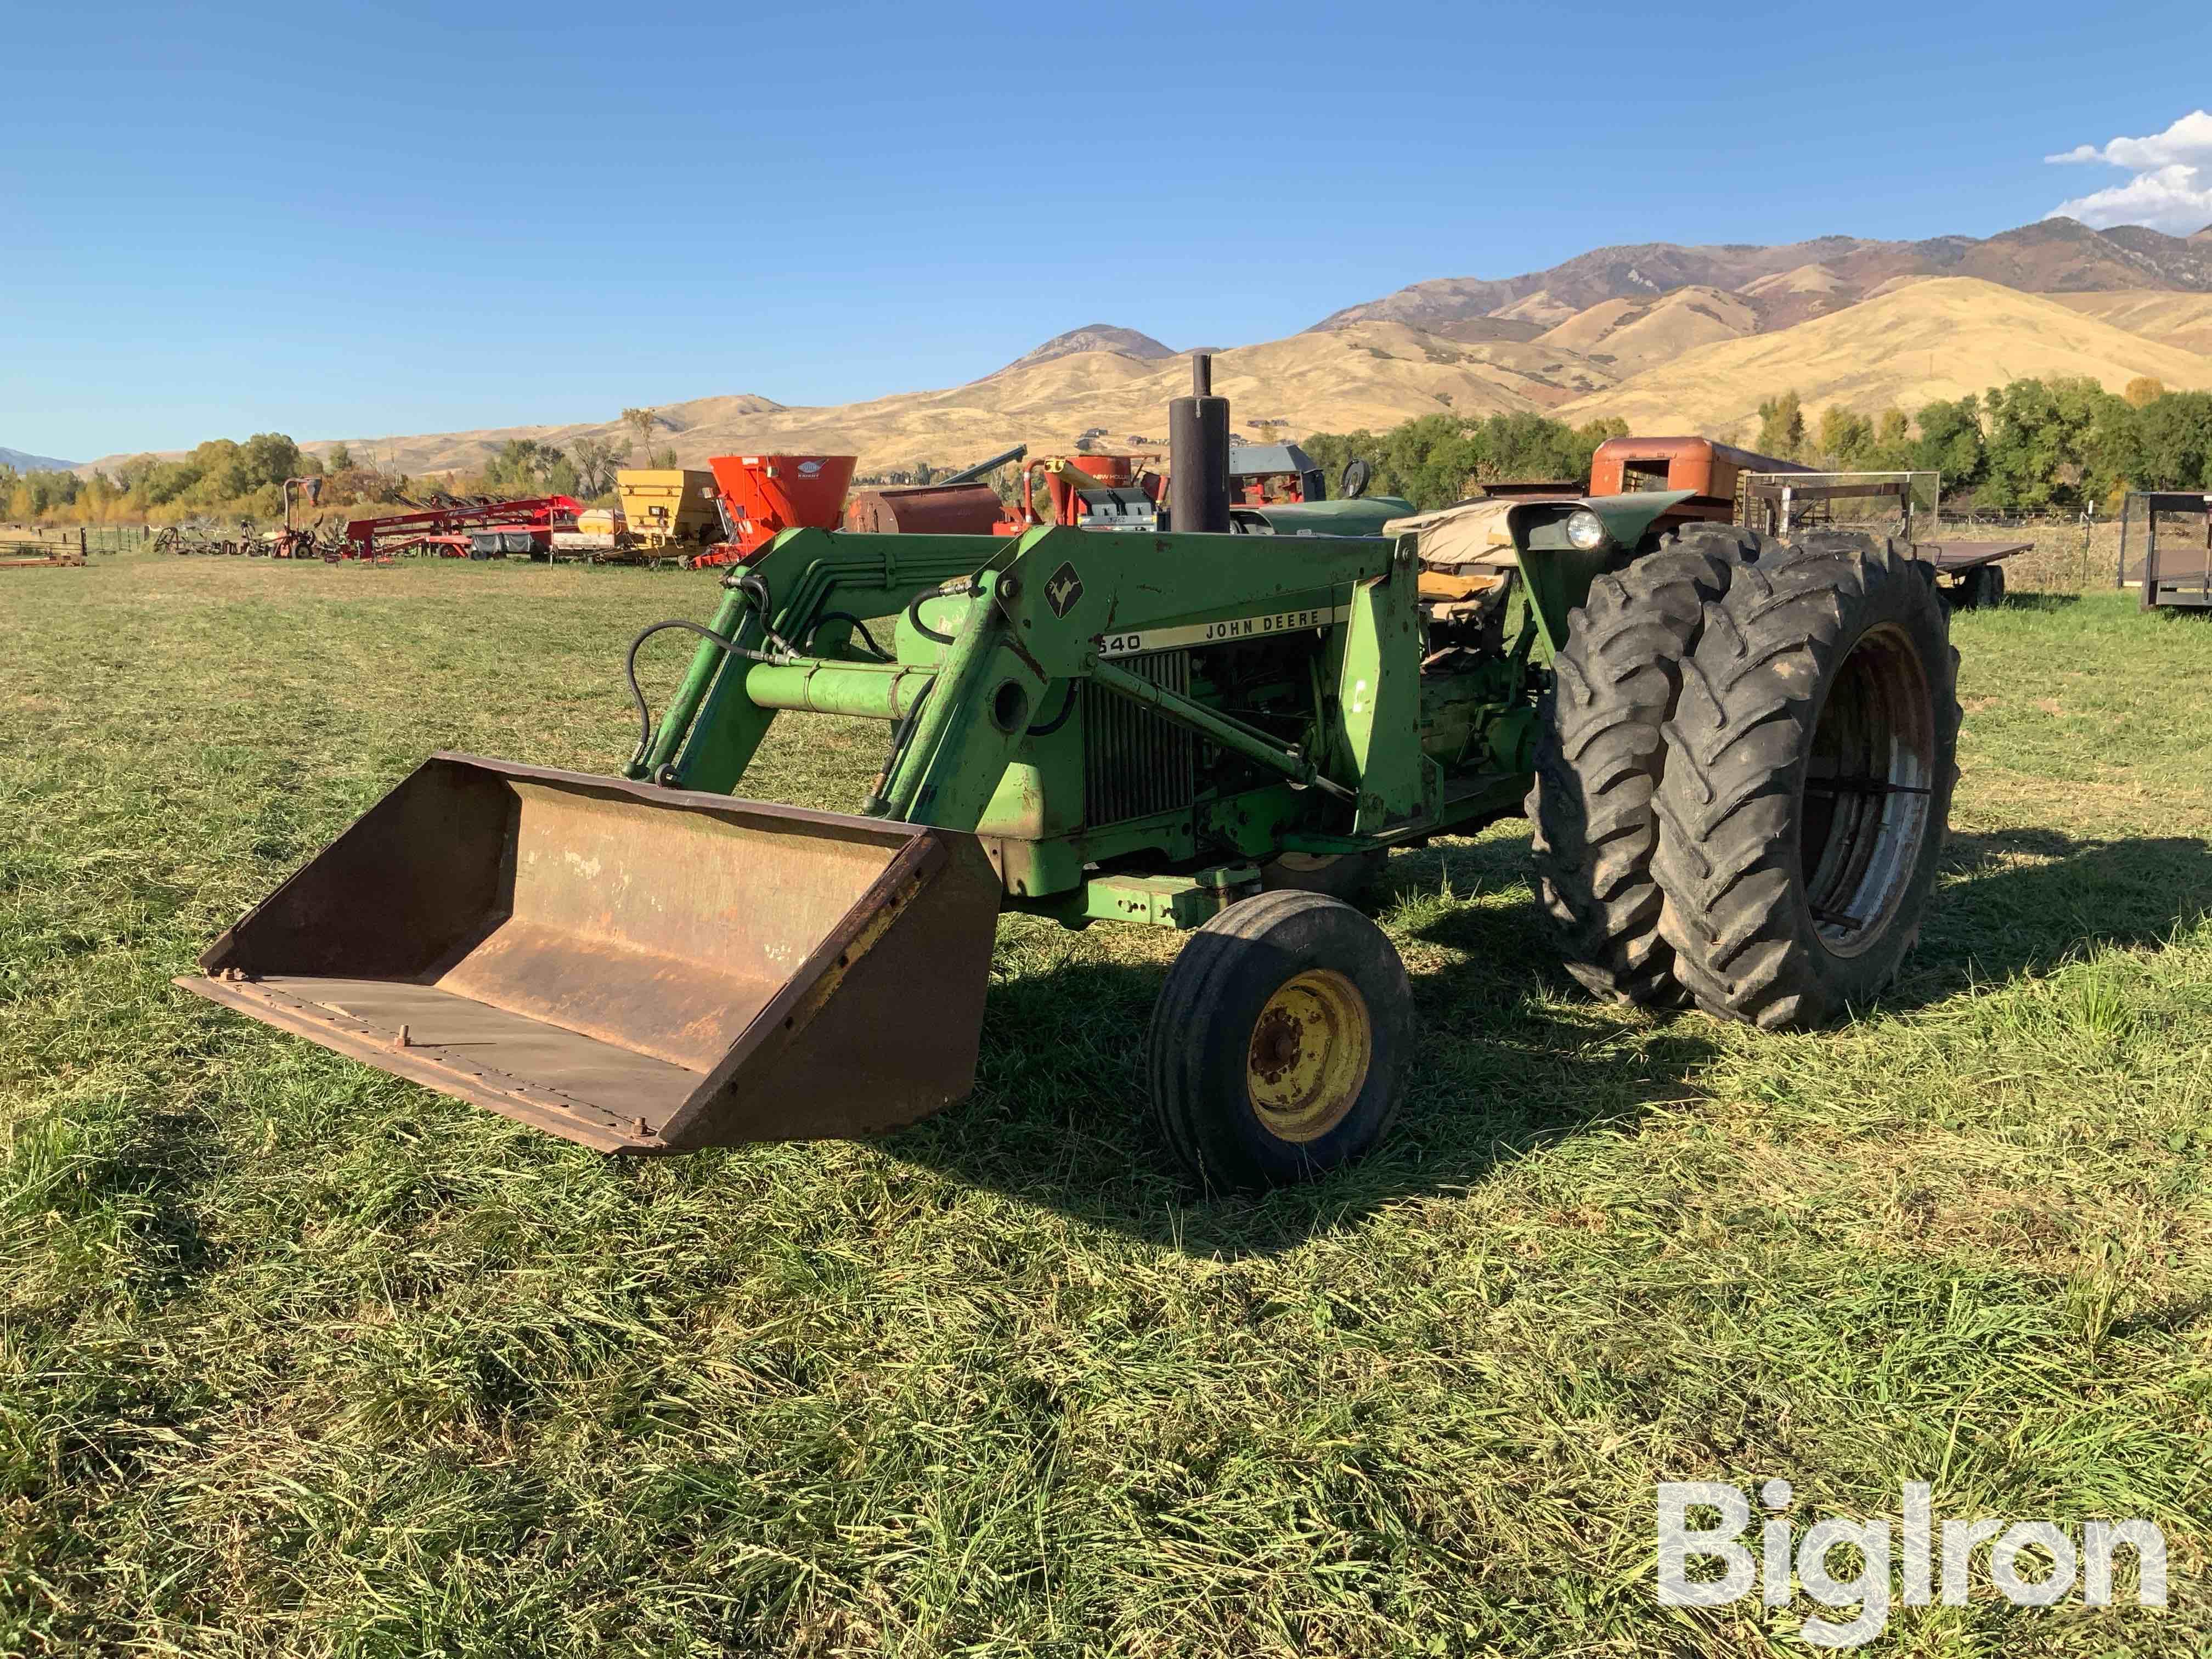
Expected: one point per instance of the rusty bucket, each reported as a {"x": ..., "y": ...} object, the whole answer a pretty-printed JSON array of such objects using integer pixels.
[{"x": 639, "y": 970}]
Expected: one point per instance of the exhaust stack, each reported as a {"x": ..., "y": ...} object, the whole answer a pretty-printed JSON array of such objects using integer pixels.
[{"x": 1198, "y": 443}]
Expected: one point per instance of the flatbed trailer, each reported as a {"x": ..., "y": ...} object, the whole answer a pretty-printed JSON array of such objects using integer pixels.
[
  {"x": 1780, "y": 498},
  {"x": 1970, "y": 573},
  {"x": 2169, "y": 576}
]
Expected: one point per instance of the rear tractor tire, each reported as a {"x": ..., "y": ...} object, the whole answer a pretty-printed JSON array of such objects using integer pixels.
[
  {"x": 1275, "y": 1045},
  {"x": 1811, "y": 761},
  {"x": 1600, "y": 757}
]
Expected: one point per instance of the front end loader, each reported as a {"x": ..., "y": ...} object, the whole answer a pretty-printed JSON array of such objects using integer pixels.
[{"x": 1212, "y": 733}]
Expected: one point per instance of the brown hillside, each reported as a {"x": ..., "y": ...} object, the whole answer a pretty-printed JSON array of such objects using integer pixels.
[
  {"x": 2174, "y": 320},
  {"x": 1481, "y": 330},
  {"x": 1541, "y": 308},
  {"x": 2052, "y": 256},
  {"x": 1789, "y": 297},
  {"x": 1625, "y": 336},
  {"x": 1803, "y": 279},
  {"x": 1374, "y": 376},
  {"x": 1938, "y": 338},
  {"x": 1096, "y": 337},
  {"x": 1862, "y": 323}
]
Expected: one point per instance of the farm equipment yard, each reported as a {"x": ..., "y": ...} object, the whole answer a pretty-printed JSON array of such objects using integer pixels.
[
  {"x": 300, "y": 1352},
  {"x": 720, "y": 937}
]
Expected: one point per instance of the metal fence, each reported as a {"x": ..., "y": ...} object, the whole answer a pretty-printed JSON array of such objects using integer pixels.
[{"x": 78, "y": 538}]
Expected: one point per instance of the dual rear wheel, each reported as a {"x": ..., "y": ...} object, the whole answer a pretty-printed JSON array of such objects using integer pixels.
[{"x": 1745, "y": 807}]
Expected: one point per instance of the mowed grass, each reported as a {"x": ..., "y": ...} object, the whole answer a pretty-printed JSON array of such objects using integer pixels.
[{"x": 295, "y": 1356}]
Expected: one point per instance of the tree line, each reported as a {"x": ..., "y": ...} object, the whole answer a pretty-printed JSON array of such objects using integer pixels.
[
  {"x": 1434, "y": 460},
  {"x": 220, "y": 474},
  {"x": 224, "y": 477},
  {"x": 2031, "y": 445}
]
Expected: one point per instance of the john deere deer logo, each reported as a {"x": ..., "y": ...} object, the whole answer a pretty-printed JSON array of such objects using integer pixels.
[{"x": 1065, "y": 589}]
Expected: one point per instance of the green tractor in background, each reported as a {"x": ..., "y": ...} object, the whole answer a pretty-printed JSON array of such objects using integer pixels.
[{"x": 1737, "y": 755}]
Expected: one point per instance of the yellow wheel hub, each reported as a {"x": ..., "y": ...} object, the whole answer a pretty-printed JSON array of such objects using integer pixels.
[{"x": 1309, "y": 1055}]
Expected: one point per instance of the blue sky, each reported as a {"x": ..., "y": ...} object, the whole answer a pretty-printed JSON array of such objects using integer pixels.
[{"x": 361, "y": 219}]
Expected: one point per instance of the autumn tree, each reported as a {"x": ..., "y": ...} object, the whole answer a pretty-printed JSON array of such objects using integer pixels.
[
  {"x": 1434, "y": 460},
  {"x": 1780, "y": 427},
  {"x": 524, "y": 466},
  {"x": 597, "y": 460},
  {"x": 1893, "y": 441},
  {"x": 1846, "y": 440}
]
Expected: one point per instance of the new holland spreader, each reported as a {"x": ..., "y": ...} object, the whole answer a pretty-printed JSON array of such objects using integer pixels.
[{"x": 1737, "y": 753}]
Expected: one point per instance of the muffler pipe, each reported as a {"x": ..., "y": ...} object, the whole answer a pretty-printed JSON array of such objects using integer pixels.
[{"x": 1198, "y": 444}]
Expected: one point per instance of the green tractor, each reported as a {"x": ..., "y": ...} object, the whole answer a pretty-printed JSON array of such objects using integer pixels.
[{"x": 1737, "y": 755}]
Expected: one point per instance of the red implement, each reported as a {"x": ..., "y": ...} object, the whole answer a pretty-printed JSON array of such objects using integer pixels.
[{"x": 770, "y": 494}]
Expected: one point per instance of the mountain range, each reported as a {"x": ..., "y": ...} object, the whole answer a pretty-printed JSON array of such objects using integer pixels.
[
  {"x": 1789, "y": 284},
  {"x": 23, "y": 462},
  {"x": 1665, "y": 336}
]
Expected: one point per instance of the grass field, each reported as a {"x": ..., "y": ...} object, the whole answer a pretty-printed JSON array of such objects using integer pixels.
[{"x": 295, "y": 1356}]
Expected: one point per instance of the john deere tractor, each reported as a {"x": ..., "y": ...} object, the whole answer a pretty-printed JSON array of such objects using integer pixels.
[{"x": 1736, "y": 753}]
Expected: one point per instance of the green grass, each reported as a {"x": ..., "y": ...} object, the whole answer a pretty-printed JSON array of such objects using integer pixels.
[{"x": 295, "y": 1356}]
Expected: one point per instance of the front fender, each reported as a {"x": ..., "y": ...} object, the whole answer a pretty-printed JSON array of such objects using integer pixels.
[{"x": 1559, "y": 575}]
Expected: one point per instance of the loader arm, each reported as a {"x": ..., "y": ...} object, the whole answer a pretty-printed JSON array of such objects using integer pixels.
[
  {"x": 1042, "y": 615},
  {"x": 711, "y": 729}
]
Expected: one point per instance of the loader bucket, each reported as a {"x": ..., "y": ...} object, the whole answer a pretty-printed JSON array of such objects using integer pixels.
[{"x": 639, "y": 970}]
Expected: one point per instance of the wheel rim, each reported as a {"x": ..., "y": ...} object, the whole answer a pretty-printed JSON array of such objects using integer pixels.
[
  {"x": 1868, "y": 793},
  {"x": 1309, "y": 1056}
]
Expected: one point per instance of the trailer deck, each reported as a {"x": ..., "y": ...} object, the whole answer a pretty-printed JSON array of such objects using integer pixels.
[{"x": 1970, "y": 573}]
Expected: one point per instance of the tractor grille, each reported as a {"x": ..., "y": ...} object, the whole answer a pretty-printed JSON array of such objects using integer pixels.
[{"x": 1137, "y": 762}]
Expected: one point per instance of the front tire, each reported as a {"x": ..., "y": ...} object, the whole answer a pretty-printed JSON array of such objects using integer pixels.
[
  {"x": 1811, "y": 758},
  {"x": 1274, "y": 1047}
]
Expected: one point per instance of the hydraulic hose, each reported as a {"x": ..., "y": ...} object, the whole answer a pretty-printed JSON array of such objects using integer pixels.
[
  {"x": 913, "y": 615},
  {"x": 901, "y": 731},
  {"x": 859, "y": 627},
  {"x": 730, "y": 648},
  {"x": 754, "y": 586},
  {"x": 1066, "y": 707}
]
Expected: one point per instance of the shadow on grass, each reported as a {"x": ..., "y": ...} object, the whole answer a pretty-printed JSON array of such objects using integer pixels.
[
  {"x": 1510, "y": 1059},
  {"x": 141, "y": 1179},
  {"x": 2024, "y": 899},
  {"x": 2031, "y": 599}
]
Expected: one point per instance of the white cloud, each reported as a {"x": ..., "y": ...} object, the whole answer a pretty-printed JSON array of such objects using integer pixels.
[{"x": 2171, "y": 190}]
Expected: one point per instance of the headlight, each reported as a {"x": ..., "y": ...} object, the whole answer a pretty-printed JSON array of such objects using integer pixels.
[{"x": 1585, "y": 530}]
